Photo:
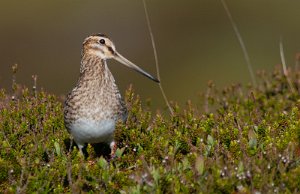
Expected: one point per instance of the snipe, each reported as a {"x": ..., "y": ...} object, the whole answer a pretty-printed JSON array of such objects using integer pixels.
[{"x": 94, "y": 105}]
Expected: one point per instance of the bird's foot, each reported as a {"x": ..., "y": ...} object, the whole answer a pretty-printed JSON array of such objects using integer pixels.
[{"x": 113, "y": 148}]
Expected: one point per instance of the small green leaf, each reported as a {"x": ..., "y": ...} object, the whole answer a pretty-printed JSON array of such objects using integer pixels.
[
  {"x": 210, "y": 140},
  {"x": 102, "y": 163},
  {"x": 252, "y": 143},
  {"x": 57, "y": 148},
  {"x": 199, "y": 165},
  {"x": 119, "y": 152},
  {"x": 241, "y": 167},
  {"x": 155, "y": 175},
  {"x": 105, "y": 176},
  {"x": 186, "y": 163}
]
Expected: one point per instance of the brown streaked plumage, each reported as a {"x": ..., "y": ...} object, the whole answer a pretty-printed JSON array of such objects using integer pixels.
[{"x": 94, "y": 105}]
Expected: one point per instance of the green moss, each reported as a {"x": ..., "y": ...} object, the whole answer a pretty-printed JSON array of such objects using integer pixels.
[{"x": 247, "y": 140}]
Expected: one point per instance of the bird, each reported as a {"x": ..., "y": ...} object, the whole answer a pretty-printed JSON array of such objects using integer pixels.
[{"x": 95, "y": 105}]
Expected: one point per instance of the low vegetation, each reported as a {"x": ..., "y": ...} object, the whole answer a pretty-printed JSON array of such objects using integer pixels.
[{"x": 240, "y": 140}]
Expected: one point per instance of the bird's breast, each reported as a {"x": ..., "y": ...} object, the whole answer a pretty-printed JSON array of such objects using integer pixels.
[
  {"x": 93, "y": 131},
  {"x": 97, "y": 105}
]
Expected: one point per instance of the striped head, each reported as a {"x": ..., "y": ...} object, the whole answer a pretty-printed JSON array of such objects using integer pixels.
[{"x": 101, "y": 46}]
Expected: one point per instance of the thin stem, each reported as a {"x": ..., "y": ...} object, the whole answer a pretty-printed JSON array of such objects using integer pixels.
[
  {"x": 283, "y": 62},
  {"x": 14, "y": 85},
  {"x": 156, "y": 58},
  {"x": 242, "y": 44},
  {"x": 34, "y": 87}
]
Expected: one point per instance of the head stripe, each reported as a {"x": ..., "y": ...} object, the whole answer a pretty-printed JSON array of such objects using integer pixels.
[{"x": 100, "y": 35}]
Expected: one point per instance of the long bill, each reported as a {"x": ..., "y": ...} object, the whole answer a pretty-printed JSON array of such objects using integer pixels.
[{"x": 129, "y": 64}]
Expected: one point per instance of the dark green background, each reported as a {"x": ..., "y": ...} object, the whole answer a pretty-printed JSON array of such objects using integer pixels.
[{"x": 194, "y": 38}]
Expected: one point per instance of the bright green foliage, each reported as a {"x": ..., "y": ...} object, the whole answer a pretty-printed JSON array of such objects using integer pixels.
[{"x": 244, "y": 140}]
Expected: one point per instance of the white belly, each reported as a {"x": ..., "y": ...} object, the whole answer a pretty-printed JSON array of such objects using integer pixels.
[{"x": 89, "y": 131}]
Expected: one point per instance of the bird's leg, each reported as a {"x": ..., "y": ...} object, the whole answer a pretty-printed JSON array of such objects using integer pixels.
[
  {"x": 80, "y": 146},
  {"x": 113, "y": 148}
]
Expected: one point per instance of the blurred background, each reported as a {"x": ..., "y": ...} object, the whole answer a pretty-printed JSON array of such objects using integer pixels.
[{"x": 195, "y": 42}]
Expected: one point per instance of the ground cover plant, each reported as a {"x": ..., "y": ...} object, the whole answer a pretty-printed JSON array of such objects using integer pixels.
[{"x": 241, "y": 139}]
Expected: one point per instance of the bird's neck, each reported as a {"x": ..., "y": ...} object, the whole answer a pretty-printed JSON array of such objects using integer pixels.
[{"x": 94, "y": 71}]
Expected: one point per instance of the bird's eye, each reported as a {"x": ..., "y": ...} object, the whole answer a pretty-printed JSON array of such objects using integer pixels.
[{"x": 102, "y": 41}]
